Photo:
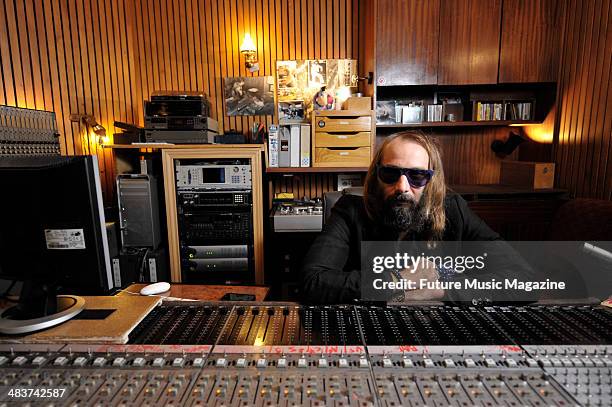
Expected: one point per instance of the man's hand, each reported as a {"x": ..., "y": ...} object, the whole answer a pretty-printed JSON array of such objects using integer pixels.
[{"x": 429, "y": 273}]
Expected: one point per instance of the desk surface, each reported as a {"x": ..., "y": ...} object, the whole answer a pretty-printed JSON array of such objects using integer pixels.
[{"x": 205, "y": 292}]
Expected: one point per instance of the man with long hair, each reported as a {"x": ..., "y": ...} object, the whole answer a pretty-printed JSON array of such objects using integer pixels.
[{"x": 405, "y": 199}]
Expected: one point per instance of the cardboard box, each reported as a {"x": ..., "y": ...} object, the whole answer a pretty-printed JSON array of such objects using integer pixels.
[
  {"x": 361, "y": 104},
  {"x": 528, "y": 174}
]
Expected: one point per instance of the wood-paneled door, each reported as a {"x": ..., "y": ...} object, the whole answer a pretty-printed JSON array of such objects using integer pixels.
[
  {"x": 530, "y": 38},
  {"x": 407, "y": 42},
  {"x": 469, "y": 41}
]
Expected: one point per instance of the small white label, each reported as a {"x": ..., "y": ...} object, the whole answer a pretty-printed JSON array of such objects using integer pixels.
[
  {"x": 65, "y": 239},
  {"x": 343, "y": 153},
  {"x": 342, "y": 137},
  {"x": 117, "y": 272},
  {"x": 153, "y": 270}
]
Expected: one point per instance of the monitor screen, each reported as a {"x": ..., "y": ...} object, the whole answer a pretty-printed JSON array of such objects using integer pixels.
[{"x": 52, "y": 226}]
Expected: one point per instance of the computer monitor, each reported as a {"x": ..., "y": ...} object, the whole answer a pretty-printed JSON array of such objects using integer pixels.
[{"x": 52, "y": 237}]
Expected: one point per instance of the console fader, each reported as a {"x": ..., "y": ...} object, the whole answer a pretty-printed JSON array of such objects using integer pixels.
[{"x": 230, "y": 354}]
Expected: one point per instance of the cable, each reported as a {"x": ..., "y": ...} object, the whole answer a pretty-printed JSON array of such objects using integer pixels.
[{"x": 141, "y": 277}]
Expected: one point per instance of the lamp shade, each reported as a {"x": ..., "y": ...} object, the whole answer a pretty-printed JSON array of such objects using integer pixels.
[{"x": 247, "y": 44}]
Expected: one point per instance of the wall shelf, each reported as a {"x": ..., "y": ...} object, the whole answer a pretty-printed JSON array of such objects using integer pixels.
[
  {"x": 458, "y": 124},
  {"x": 295, "y": 170}
]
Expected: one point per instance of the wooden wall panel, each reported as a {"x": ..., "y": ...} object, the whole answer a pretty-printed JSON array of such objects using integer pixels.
[
  {"x": 407, "y": 56},
  {"x": 582, "y": 146},
  {"x": 104, "y": 57},
  {"x": 70, "y": 57},
  {"x": 530, "y": 54},
  {"x": 469, "y": 41},
  {"x": 194, "y": 44}
]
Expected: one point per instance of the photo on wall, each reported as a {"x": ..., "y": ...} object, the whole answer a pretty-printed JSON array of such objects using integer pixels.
[
  {"x": 249, "y": 96},
  {"x": 291, "y": 112},
  {"x": 286, "y": 77},
  {"x": 317, "y": 73}
]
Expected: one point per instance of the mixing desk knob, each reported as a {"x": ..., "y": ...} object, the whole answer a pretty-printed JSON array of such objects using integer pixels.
[
  {"x": 470, "y": 363},
  {"x": 119, "y": 362},
  {"x": 323, "y": 362},
  {"x": 39, "y": 360},
  {"x": 262, "y": 363},
  {"x": 178, "y": 362},
  {"x": 241, "y": 363},
  {"x": 598, "y": 362},
  {"x": 428, "y": 362},
  {"x": 545, "y": 363},
  {"x": 407, "y": 362},
  {"x": 387, "y": 363},
  {"x": 20, "y": 361},
  {"x": 532, "y": 363},
  {"x": 99, "y": 361},
  {"x": 3, "y": 360},
  {"x": 282, "y": 363},
  {"x": 511, "y": 363},
  {"x": 140, "y": 362},
  {"x": 221, "y": 362},
  {"x": 80, "y": 361},
  {"x": 198, "y": 362},
  {"x": 490, "y": 362},
  {"x": 302, "y": 362},
  {"x": 556, "y": 362},
  {"x": 60, "y": 361},
  {"x": 159, "y": 362},
  {"x": 363, "y": 363},
  {"x": 343, "y": 363},
  {"x": 449, "y": 363}
]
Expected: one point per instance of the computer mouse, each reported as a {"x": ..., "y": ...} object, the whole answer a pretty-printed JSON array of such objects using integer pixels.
[{"x": 155, "y": 288}]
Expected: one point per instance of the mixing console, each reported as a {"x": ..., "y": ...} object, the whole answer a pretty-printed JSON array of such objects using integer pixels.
[{"x": 288, "y": 355}]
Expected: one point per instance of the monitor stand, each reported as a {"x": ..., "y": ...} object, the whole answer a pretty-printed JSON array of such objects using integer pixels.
[{"x": 68, "y": 306}]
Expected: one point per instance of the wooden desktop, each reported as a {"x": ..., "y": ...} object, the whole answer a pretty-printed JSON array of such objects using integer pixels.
[{"x": 203, "y": 292}]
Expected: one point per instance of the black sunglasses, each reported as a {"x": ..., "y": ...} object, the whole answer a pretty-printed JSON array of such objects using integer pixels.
[{"x": 417, "y": 178}]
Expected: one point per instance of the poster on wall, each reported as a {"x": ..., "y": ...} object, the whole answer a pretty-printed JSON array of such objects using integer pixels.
[
  {"x": 347, "y": 72},
  {"x": 249, "y": 96},
  {"x": 286, "y": 79},
  {"x": 317, "y": 73},
  {"x": 302, "y": 80}
]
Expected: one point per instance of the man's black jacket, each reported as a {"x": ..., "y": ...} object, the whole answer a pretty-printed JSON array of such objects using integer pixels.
[{"x": 331, "y": 272}]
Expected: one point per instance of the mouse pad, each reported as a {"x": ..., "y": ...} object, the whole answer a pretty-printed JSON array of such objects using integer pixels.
[{"x": 94, "y": 314}]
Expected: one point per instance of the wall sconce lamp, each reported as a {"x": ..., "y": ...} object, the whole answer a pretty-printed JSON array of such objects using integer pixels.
[
  {"x": 250, "y": 53},
  {"x": 90, "y": 121},
  {"x": 504, "y": 148}
]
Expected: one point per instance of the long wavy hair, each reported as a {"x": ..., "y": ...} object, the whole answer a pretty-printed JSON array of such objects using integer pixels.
[{"x": 434, "y": 193}]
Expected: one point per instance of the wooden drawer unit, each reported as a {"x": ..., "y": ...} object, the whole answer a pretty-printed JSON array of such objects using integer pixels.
[
  {"x": 342, "y": 123},
  {"x": 341, "y": 138},
  {"x": 342, "y": 157},
  {"x": 351, "y": 139}
]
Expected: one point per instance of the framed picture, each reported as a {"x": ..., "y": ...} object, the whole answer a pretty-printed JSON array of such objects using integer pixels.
[
  {"x": 317, "y": 73},
  {"x": 291, "y": 112},
  {"x": 385, "y": 112},
  {"x": 249, "y": 96}
]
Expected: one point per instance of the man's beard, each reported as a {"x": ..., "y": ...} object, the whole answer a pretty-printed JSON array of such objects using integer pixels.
[{"x": 402, "y": 213}]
